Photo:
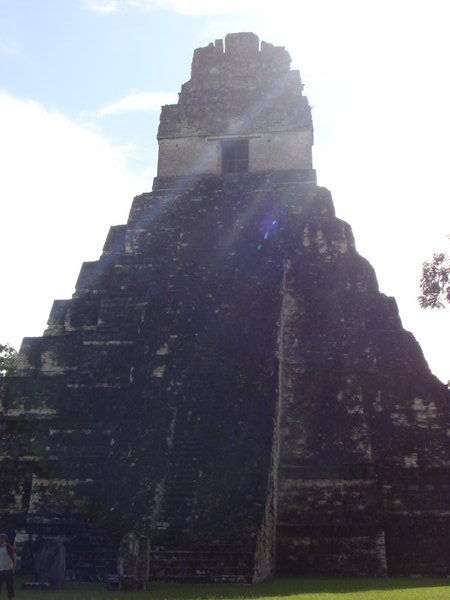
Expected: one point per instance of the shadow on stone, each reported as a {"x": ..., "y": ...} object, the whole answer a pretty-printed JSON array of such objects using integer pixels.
[
  {"x": 49, "y": 564},
  {"x": 132, "y": 562}
]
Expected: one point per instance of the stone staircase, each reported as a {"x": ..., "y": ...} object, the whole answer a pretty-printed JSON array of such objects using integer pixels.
[
  {"x": 179, "y": 503},
  {"x": 210, "y": 564},
  {"x": 177, "y": 559},
  {"x": 91, "y": 560}
]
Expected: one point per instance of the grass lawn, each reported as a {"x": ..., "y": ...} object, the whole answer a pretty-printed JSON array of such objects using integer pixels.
[{"x": 297, "y": 588}]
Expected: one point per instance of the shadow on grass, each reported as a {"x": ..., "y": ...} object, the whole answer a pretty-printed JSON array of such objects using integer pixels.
[{"x": 278, "y": 587}]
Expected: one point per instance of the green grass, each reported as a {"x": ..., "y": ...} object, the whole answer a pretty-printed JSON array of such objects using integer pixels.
[{"x": 297, "y": 588}]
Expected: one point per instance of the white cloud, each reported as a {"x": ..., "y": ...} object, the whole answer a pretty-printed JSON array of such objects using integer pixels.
[
  {"x": 62, "y": 186},
  {"x": 187, "y": 7},
  {"x": 102, "y": 6},
  {"x": 204, "y": 7},
  {"x": 139, "y": 101}
]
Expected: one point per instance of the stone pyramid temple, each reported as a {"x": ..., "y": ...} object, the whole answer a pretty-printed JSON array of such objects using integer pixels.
[{"x": 227, "y": 378}]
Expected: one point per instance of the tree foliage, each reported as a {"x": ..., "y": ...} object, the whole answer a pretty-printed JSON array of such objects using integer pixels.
[
  {"x": 8, "y": 360},
  {"x": 435, "y": 282}
]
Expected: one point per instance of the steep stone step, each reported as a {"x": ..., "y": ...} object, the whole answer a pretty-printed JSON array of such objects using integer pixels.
[{"x": 219, "y": 565}]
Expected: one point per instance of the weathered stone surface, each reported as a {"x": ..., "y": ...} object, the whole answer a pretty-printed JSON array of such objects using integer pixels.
[
  {"x": 237, "y": 92},
  {"x": 227, "y": 377},
  {"x": 133, "y": 562},
  {"x": 50, "y": 563}
]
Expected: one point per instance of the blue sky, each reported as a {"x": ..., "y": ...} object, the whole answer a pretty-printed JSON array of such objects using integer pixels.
[{"x": 81, "y": 85}]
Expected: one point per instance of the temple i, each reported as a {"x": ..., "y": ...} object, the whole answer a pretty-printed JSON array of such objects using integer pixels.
[{"x": 227, "y": 389}]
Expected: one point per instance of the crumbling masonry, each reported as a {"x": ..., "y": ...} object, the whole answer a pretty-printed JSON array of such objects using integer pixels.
[{"x": 227, "y": 378}]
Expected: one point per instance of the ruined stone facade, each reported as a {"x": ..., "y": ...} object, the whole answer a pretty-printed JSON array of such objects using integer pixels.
[{"x": 227, "y": 377}]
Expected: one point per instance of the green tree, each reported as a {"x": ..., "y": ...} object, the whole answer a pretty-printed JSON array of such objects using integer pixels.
[
  {"x": 8, "y": 360},
  {"x": 435, "y": 282}
]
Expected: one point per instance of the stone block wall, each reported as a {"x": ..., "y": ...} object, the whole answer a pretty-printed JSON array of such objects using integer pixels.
[
  {"x": 151, "y": 398},
  {"x": 280, "y": 150},
  {"x": 361, "y": 417},
  {"x": 239, "y": 92},
  {"x": 228, "y": 379}
]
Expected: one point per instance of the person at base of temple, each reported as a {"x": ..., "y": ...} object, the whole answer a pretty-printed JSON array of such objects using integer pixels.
[{"x": 7, "y": 565}]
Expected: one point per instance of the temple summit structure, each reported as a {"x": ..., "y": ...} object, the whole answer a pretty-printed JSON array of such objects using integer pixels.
[{"x": 227, "y": 381}]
